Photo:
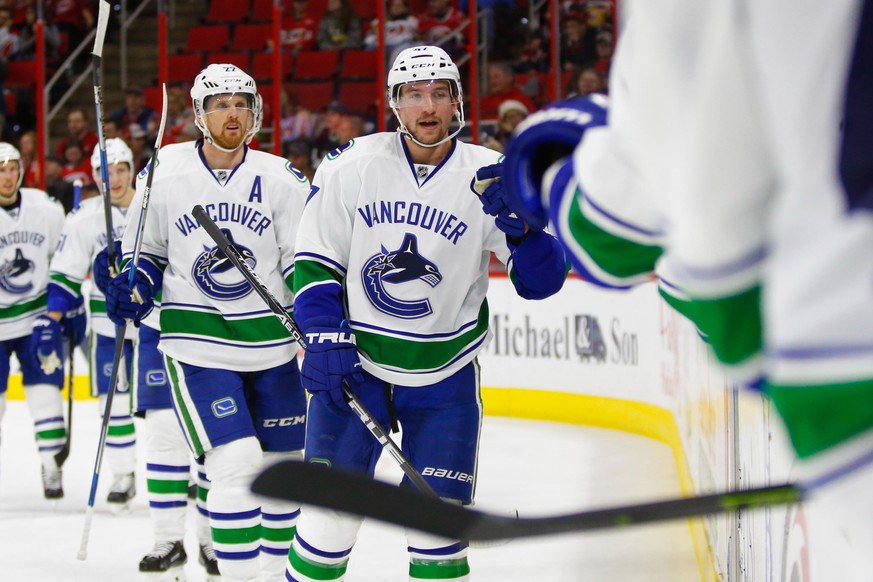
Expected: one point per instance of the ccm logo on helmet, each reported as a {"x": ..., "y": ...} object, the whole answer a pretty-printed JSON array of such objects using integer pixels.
[{"x": 289, "y": 421}]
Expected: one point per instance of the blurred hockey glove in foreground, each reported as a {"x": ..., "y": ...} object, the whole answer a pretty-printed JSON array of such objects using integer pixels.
[
  {"x": 542, "y": 139},
  {"x": 488, "y": 185},
  {"x": 330, "y": 357},
  {"x": 100, "y": 268},
  {"x": 123, "y": 303},
  {"x": 48, "y": 343}
]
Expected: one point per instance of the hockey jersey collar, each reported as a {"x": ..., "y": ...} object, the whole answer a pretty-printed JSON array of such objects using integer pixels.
[
  {"x": 411, "y": 164},
  {"x": 199, "y": 148}
]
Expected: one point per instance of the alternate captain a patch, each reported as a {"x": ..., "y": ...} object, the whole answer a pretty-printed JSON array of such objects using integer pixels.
[
  {"x": 402, "y": 267},
  {"x": 216, "y": 276}
]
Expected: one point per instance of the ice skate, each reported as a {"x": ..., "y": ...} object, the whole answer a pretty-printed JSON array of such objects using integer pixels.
[
  {"x": 210, "y": 562},
  {"x": 122, "y": 490},
  {"x": 52, "y": 486},
  {"x": 165, "y": 562}
]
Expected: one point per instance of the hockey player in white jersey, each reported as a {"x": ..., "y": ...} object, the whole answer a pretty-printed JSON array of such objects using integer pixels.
[
  {"x": 233, "y": 370},
  {"x": 30, "y": 225},
  {"x": 83, "y": 237},
  {"x": 758, "y": 191},
  {"x": 390, "y": 281}
]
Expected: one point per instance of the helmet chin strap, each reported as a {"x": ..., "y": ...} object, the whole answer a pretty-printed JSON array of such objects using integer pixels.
[{"x": 402, "y": 129}]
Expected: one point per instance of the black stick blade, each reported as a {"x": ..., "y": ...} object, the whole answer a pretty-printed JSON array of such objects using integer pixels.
[{"x": 316, "y": 484}]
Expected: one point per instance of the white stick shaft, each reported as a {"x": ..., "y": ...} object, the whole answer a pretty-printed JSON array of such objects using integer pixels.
[{"x": 86, "y": 533}]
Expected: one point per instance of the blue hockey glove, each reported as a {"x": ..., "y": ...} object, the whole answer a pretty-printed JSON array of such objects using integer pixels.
[
  {"x": 541, "y": 139},
  {"x": 75, "y": 322},
  {"x": 100, "y": 268},
  {"x": 47, "y": 344},
  {"x": 489, "y": 186},
  {"x": 123, "y": 303},
  {"x": 330, "y": 357}
]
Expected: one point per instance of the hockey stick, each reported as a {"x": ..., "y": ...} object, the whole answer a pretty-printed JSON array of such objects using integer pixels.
[
  {"x": 97, "y": 79},
  {"x": 347, "y": 492},
  {"x": 291, "y": 326},
  {"x": 61, "y": 456},
  {"x": 120, "y": 331}
]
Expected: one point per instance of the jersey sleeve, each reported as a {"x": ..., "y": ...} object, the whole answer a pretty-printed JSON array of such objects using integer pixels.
[
  {"x": 322, "y": 246},
  {"x": 288, "y": 212},
  {"x": 70, "y": 262}
]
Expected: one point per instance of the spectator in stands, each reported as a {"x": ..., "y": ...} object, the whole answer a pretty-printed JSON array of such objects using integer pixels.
[
  {"x": 297, "y": 121},
  {"x": 501, "y": 87},
  {"x": 180, "y": 119},
  {"x": 349, "y": 127},
  {"x": 300, "y": 29},
  {"x": 577, "y": 43},
  {"x": 328, "y": 140},
  {"x": 511, "y": 113},
  {"x": 73, "y": 18},
  {"x": 78, "y": 129},
  {"x": 585, "y": 82},
  {"x": 135, "y": 111},
  {"x": 111, "y": 129},
  {"x": 401, "y": 30},
  {"x": 603, "y": 49},
  {"x": 137, "y": 141},
  {"x": 26, "y": 32},
  {"x": 299, "y": 153},
  {"x": 439, "y": 25},
  {"x": 55, "y": 185},
  {"x": 77, "y": 166},
  {"x": 29, "y": 162},
  {"x": 502, "y": 19},
  {"x": 534, "y": 58},
  {"x": 9, "y": 41},
  {"x": 340, "y": 27}
]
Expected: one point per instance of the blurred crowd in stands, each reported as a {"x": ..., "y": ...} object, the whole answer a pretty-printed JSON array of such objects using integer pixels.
[{"x": 329, "y": 92}]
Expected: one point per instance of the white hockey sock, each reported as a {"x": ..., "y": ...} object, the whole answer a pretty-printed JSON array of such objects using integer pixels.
[
  {"x": 167, "y": 468},
  {"x": 432, "y": 557},
  {"x": 234, "y": 513},
  {"x": 278, "y": 525},
  {"x": 121, "y": 435},
  {"x": 204, "y": 532},
  {"x": 47, "y": 410}
]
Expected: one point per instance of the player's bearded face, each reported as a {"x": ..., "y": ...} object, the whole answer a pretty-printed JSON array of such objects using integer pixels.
[
  {"x": 8, "y": 181},
  {"x": 427, "y": 109},
  {"x": 229, "y": 118}
]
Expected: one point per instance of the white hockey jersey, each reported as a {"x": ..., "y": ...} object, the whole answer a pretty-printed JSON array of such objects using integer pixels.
[
  {"x": 210, "y": 315},
  {"x": 411, "y": 245},
  {"x": 27, "y": 240},
  {"x": 83, "y": 237}
]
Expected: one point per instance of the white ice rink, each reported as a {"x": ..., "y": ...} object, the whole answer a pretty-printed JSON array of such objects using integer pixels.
[{"x": 537, "y": 468}]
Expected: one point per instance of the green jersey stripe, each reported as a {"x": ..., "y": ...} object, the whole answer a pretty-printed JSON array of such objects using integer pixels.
[
  {"x": 251, "y": 330},
  {"x": 37, "y": 304}
]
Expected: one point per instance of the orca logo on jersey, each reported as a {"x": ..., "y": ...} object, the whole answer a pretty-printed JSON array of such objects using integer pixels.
[
  {"x": 405, "y": 265},
  {"x": 210, "y": 269},
  {"x": 14, "y": 269}
]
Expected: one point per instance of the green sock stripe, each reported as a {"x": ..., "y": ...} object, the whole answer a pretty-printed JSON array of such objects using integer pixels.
[
  {"x": 820, "y": 416},
  {"x": 278, "y": 534},
  {"x": 316, "y": 571},
  {"x": 438, "y": 569},
  {"x": 121, "y": 430},
  {"x": 166, "y": 487},
  {"x": 51, "y": 434},
  {"x": 732, "y": 324},
  {"x": 202, "y": 493},
  {"x": 240, "y": 535}
]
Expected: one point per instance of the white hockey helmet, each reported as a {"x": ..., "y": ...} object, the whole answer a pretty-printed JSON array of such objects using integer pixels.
[
  {"x": 222, "y": 79},
  {"x": 9, "y": 153},
  {"x": 117, "y": 152},
  {"x": 421, "y": 64}
]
